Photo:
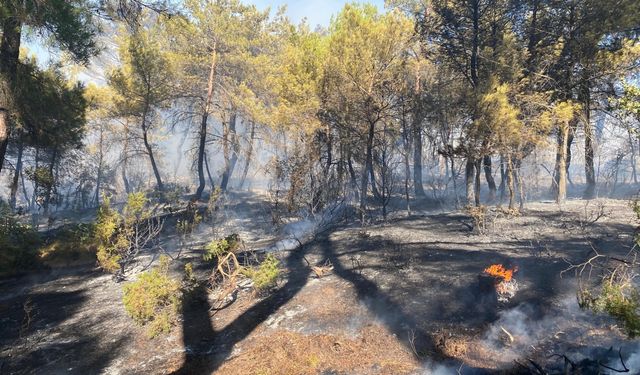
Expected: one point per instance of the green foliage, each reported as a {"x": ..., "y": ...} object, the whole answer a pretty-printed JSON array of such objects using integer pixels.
[
  {"x": 119, "y": 236},
  {"x": 70, "y": 244},
  {"x": 106, "y": 234},
  {"x": 154, "y": 299},
  {"x": 620, "y": 300},
  {"x": 266, "y": 275},
  {"x": 19, "y": 244},
  {"x": 218, "y": 248}
]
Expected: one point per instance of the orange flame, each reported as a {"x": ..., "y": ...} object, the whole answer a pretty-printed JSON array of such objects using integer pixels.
[{"x": 498, "y": 270}]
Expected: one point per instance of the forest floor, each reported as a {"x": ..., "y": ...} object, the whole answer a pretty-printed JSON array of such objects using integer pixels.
[{"x": 402, "y": 299}]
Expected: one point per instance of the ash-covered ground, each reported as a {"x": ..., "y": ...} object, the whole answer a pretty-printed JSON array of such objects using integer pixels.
[{"x": 402, "y": 298}]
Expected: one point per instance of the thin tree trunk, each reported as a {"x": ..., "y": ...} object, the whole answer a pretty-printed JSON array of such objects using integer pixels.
[
  {"x": 634, "y": 172},
  {"x": 231, "y": 151},
  {"x": 152, "y": 159},
  {"x": 9, "y": 53},
  {"x": 100, "y": 166},
  {"x": 247, "y": 160},
  {"x": 352, "y": 176},
  {"x": 47, "y": 197},
  {"x": 469, "y": 180},
  {"x": 16, "y": 177},
  {"x": 478, "y": 173},
  {"x": 488, "y": 174},
  {"x": 203, "y": 124},
  {"x": 364, "y": 182},
  {"x": 206, "y": 164},
  {"x": 589, "y": 168},
  {"x": 417, "y": 159},
  {"x": 510, "y": 182},
  {"x": 503, "y": 178},
  {"x": 561, "y": 159},
  {"x": 125, "y": 160}
]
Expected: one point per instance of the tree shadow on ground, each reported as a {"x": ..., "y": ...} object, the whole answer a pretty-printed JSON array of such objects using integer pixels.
[{"x": 207, "y": 349}]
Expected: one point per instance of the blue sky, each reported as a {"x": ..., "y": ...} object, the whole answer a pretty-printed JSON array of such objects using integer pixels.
[{"x": 317, "y": 12}]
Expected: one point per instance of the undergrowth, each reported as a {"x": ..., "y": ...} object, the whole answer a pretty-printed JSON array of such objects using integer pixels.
[{"x": 154, "y": 299}]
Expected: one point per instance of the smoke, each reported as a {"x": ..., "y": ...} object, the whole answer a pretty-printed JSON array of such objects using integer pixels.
[
  {"x": 563, "y": 328},
  {"x": 300, "y": 232}
]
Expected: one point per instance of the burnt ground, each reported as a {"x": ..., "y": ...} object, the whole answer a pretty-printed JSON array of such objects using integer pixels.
[{"x": 403, "y": 297}]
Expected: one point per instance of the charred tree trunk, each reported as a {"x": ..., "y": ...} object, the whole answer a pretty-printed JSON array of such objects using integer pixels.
[
  {"x": 510, "y": 183},
  {"x": 478, "y": 173},
  {"x": 417, "y": 159},
  {"x": 125, "y": 160},
  {"x": 560, "y": 178},
  {"x": 364, "y": 182},
  {"x": 589, "y": 169},
  {"x": 100, "y": 166},
  {"x": 9, "y": 53},
  {"x": 469, "y": 180},
  {"x": 249, "y": 154},
  {"x": 352, "y": 177},
  {"x": 16, "y": 176},
  {"x": 51, "y": 182},
  {"x": 152, "y": 159},
  {"x": 209, "y": 175},
  {"x": 231, "y": 151},
  {"x": 570, "y": 139},
  {"x": 634, "y": 173},
  {"x": 203, "y": 124},
  {"x": 503, "y": 178},
  {"x": 488, "y": 174}
]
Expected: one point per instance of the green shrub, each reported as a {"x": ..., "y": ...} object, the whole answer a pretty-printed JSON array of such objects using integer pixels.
[
  {"x": 265, "y": 276},
  {"x": 218, "y": 248},
  {"x": 19, "y": 245},
  {"x": 70, "y": 244},
  {"x": 120, "y": 236},
  {"x": 621, "y": 301},
  {"x": 154, "y": 299}
]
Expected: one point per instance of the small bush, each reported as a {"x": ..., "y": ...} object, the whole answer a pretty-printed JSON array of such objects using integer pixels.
[
  {"x": 154, "y": 299},
  {"x": 218, "y": 248},
  {"x": 121, "y": 236},
  {"x": 621, "y": 301},
  {"x": 71, "y": 244},
  {"x": 19, "y": 245},
  {"x": 265, "y": 276}
]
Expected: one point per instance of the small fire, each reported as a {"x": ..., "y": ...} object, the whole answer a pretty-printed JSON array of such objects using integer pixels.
[{"x": 498, "y": 270}]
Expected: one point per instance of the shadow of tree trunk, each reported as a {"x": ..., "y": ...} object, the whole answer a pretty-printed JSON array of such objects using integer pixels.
[{"x": 207, "y": 349}]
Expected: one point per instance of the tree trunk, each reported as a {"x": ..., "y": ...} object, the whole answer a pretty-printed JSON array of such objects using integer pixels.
[
  {"x": 247, "y": 160},
  {"x": 372, "y": 175},
  {"x": 152, "y": 159},
  {"x": 9, "y": 53},
  {"x": 503, "y": 178},
  {"x": 16, "y": 177},
  {"x": 510, "y": 183},
  {"x": 206, "y": 164},
  {"x": 100, "y": 162},
  {"x": 589, "y": 169},
  {"x": 469, "y": 180},
  {"x": 561, "y": 161},
  {"x": 203, "y": 124},
  {"x": 417, "y": 159},
  {"x": 364, "y": 182},
  {"x": 352, "y": 176},
  {"x": 478, "y": 173},
  {"x": 47, "y": 197},
  {"x": 231, "y": 151},
  {"x": 125, "y": 160},
  {"x": 634, "y": 172},
  {"x": 488, "y": 174},
  {"x": 570, "y": 140}
]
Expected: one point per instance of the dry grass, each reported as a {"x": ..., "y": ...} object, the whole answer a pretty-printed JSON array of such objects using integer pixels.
[{"x": 373, "y": 351}]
